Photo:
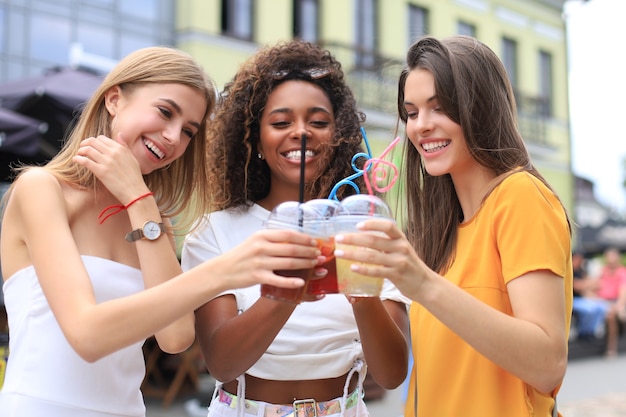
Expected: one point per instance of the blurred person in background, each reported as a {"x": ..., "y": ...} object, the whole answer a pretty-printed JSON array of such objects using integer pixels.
[
  {"x": 590, "y": 312},
  {"x": 610, "y": 286}
]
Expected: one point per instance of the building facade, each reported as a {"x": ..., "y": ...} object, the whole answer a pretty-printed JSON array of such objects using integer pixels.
[
  {"x": 369, "y": 37},
  {"x": 36, "y": 35}
]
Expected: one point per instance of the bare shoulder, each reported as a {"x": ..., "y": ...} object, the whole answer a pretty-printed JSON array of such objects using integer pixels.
[
  {"x": 35, "y": 195},
  {"x": 36, "y": 177},
  {"x": 35, "y": 202},
  {"x": 36, "y": 186}
]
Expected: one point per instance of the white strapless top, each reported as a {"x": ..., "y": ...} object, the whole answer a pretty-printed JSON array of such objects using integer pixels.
[{"x": 45, "y": 376}]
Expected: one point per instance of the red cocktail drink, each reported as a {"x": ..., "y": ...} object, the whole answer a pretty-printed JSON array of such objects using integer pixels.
[
  {"x": 327, "y": 284},
  {"x": 289, "y": 295}
]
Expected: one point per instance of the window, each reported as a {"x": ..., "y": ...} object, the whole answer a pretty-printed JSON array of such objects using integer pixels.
[
  {"x": 96, "y": 39},
  {"x": 101, "y": 3},
  {"x": 418, "y": 22},
  {"x": 545, "y": 82},
  {"x": 142, "y": 9},
  {"x": 509, "y": 59},
  {"x": 306, "y": 20},
  {"x": 43, "y": 32},
  {"x": 3, "y": 26},
  {"x": 50, "y": 39},
  {"x": 467, "y": 29},
  {"x": 130, "y": 42},
  {"x": 237, "y": 18},
  {"x": 366, "y": 33}
]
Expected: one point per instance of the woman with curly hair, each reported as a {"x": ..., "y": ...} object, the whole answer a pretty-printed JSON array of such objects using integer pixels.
[{"x": 269, "y": 355}]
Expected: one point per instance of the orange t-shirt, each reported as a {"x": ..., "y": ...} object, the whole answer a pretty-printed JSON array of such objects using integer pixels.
[{"x": 521, "y": 227}]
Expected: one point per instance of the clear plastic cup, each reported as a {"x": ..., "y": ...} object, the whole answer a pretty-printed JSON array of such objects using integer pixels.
[
  {"x": 323, "y": 232},
  {"x": 290, "y": 215},
  {"x": 353, "y": 210}
]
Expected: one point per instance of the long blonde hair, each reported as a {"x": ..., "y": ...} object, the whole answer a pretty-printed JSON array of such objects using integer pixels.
[{"x": 181, "y": 190}]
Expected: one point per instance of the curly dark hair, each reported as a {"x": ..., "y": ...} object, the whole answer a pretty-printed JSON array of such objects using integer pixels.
[{"x": 238, "y": 177}]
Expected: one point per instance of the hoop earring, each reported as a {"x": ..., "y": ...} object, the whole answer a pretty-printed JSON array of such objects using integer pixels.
[{"x": 166, "y": 167}]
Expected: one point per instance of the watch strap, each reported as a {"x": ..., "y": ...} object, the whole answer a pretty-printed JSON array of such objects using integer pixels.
[{"x": 138, "y": 233}]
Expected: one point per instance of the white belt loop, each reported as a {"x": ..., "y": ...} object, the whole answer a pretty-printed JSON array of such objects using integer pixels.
[
  {"x": 241, "y": 396},
  {"x": 260, "y": 412},
  {"x": 357, "y": 366},
  {"x": 218, "y": 386}
]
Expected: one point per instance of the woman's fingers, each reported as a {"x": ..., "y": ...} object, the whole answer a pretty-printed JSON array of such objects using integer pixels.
[
  {"x": 112, "y": 162},
  {"x": 283, "y": 282},
  {"x": 385, "y": 226},
  {"x": 382, "y": 256},
  {"x": 281, "y": 249}
]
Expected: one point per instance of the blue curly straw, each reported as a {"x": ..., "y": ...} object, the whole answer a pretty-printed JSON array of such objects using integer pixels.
[{"x": 358, "y": 172}]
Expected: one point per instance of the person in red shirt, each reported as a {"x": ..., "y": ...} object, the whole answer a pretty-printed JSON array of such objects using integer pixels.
[
  {"x": 611, "y": 286},
  {"x": 589, "y": 310}
]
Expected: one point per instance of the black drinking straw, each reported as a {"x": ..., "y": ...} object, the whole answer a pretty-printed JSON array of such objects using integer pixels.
[{"x": 302, "y": 166}]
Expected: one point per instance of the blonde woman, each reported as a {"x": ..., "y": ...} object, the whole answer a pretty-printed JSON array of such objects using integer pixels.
[{"x": 87, "y": 249}]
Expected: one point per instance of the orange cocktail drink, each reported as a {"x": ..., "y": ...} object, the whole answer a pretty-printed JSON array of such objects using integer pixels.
[{"x": 327, "y": 284}]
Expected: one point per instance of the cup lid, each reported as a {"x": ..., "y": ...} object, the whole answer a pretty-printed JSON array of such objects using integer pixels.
[
  {"x": 325, "y": 207},
  {"x": 291, "y": 214},
  {"x": 364, "y": 205}
]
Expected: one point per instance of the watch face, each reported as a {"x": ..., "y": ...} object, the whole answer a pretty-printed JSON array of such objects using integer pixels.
[{"x": 151, "y": 230}]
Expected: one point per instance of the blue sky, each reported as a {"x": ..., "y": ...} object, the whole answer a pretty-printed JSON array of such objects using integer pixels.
[{"x": 597, "y": 79}]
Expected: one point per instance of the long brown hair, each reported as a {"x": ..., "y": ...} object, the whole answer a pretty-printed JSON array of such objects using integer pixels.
[
  {"x": 474, "y": 91},
  {"x": 181, "y": 190}
]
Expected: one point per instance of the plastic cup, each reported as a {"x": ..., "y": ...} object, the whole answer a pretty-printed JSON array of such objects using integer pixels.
[
  {"x": 289, "y": 215},
  {"x": 323, "y": 232},
  {"x": 353, "y": 210}
]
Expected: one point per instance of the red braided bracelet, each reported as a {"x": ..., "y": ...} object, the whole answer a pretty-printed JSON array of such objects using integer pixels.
[{"x": 118, "y": 207}]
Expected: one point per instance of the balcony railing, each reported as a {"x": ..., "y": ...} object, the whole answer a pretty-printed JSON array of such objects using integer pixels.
[
  {"x": 374, "y": 81},
  {"x": 372, "y": 76},
  {"x": 532, "y": 117}
]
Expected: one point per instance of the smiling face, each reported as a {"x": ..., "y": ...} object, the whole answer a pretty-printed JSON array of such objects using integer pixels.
[
  {"x": 438, "y": 139},
  {"x": 156, "y": 121},
  {"x": 292, "y": 109}
]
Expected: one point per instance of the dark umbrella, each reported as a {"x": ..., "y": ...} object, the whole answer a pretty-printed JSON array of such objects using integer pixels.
[
  {"x": 55, "y": 97},
  {"x": 19, "y": 134},
  {"x": 611, "y": 233},
  {"x": 21, "y": 141}
]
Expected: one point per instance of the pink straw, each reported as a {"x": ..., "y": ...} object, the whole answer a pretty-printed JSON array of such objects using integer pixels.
[{"x": 379, "y": 173}]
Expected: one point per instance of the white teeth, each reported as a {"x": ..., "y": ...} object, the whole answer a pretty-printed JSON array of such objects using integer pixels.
[
  {"x": 435, "y": 146},
  {"x": 297, "y": 154},
  {"x": 150, "y": 145}
]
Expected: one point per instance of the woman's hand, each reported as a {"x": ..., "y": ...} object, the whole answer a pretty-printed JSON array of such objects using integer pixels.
[
  {"x": 112, "y": 162},
  {"x": 255, "y": 260},
  {"x": 318, "y": 273},
  {"x": 392, "y": 256}
]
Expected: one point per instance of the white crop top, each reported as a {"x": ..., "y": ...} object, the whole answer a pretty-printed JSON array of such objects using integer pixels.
[{"x": 320, "y": 339}]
